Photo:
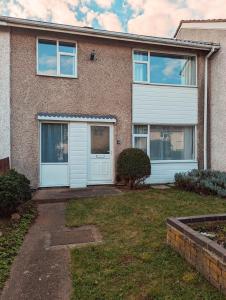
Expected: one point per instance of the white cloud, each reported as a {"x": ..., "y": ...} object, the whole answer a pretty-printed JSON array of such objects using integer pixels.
[
  {"x": 109, "y": 21},
  {"x": 105, "y": 3},
  {"x": 149, "y": 17},
  {"x": 170, "y": 67},
  {"x": 58, "y": 10},
  {"x": 90, "y": 16},
  {"x": 162, "y": 17}
]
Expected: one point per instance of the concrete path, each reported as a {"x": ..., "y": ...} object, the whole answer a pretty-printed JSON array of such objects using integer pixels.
[
  {"x": 41, "y": 270},
  {"x": 38, "y": 273}
]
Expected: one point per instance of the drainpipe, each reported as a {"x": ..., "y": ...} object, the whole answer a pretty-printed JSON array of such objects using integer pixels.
[{"x": 206, "y": 106}]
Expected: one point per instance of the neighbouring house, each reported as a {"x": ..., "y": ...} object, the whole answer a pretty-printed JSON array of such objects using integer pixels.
[
  {"x": 214, "y": 31},
  {"x": 72, "y": 98}
]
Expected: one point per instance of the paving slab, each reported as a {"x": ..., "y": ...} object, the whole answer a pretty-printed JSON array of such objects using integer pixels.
[
  {"x": 37, "y": 273},
  {"x": 53, "y": 195},
  {"x": 41, "y": 270}
]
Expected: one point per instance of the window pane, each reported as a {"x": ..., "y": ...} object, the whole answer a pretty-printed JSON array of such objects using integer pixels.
[
  {"x": 67, "y": 65},
  {"x": 140, "y": 143},
  {"x": 172, "y": 143},
  {"x": 100, "y": 140},
  {"x": 171, "y": 69},
  {"x": 140, "y": 129},
  {"x": 54, "y": 147},
  {"x": 67, "y": 47},
  {"x": 156, "y": 151},
  {"x": 47, "y": 57},
  {"x": 140, "y": 56},
  {"x": 140, "y": 72}
]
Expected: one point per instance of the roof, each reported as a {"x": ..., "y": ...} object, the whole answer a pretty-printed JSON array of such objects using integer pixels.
[
  {"x": 87, "y": 31},
  {"x": 44, "y": 116},
  {"x": 198, "y": 21}
]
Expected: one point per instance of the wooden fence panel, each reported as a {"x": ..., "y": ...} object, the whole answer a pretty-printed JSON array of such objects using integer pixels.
[{"x": 4, "y": 165}]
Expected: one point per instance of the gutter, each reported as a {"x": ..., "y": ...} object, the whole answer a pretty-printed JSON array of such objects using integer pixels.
[
  {"x": 212, "y": 51},
  {"x": 84, "y": 31}
]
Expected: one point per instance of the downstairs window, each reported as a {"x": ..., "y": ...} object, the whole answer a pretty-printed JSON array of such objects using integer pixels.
[{"x": 165, "y": 142}]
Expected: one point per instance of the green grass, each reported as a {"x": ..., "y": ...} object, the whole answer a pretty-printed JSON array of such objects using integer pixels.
[
  {"x": 134, "y": 261},
  {"x": 12, "y": 237}
]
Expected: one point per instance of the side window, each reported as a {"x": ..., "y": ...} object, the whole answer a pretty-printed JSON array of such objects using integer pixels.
[
  {"x": 140, "y": 137},
  {"x": 140, "y": 66},
  {"x": 56, "y": 58}
]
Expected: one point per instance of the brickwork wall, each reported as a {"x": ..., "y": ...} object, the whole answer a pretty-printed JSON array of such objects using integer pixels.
[{"x": 206, "y": 262}]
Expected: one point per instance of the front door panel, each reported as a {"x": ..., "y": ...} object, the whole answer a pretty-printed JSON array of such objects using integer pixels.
[
  {"x": 54, "y": 155},
  {"x": 100, "y": 154}
]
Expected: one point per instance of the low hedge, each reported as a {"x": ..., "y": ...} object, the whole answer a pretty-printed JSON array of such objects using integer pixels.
[
  {"x": 14, "y": 191},
  {"x": 133, "y": 166},
  {"x": 203, "y": 181}
]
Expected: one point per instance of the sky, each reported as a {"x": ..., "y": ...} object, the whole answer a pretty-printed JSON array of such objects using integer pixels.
[{"x": 148, "y": 17}]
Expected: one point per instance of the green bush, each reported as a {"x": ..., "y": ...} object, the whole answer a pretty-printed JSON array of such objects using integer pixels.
[
  {"x": 133, "y": 166},
  {"x": 14, "y": 191},
  {"x": 203, "y": 182}
]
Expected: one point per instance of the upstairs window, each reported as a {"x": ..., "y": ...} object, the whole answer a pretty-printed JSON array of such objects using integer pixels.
[
  {"x": 159, "y": 68},
  {"x": 57, "y": 58}
]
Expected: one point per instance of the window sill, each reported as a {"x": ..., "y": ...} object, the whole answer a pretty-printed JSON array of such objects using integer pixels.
[
  {"x": 55, "y": 163},
  {"x": 173, "y": 161},
  {"x": 161, "y": 84},
  {"x": 57, "y": 76}
]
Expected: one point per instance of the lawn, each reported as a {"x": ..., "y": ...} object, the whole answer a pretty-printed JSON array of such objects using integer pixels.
[
  {"x": 11, "y": 238},
  {"x": 134, "y": 262}
]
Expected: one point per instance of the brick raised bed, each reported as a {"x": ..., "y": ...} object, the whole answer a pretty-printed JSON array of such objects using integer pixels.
[{"x": 205, "y": 255}]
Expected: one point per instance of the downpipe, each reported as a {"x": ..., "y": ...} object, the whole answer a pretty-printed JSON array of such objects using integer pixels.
[{"x": 206, "y": 108}]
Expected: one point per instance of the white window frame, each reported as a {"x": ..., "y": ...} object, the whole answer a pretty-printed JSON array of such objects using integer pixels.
[
  {"x": 147, "y": 135},
  {"x": 75, "y": 55},
  {"x": 149, "y": 67},
  {"x": 141, "y": 62},
  {"x": 40, "y": 143}
]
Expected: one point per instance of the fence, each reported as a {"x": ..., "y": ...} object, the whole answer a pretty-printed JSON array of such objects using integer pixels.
[{"x": 4, "y": 165}]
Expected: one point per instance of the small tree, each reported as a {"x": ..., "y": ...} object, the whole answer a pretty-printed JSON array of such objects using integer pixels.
[{"x": 133, "y": 166}]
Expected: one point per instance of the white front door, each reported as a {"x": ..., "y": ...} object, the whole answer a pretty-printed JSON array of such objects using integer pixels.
[{"x": 100, "y": 154}]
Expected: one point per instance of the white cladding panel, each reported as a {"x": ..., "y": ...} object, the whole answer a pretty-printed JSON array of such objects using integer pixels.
[
  {"x": 54, "y": 175},
  {"x": 78, "y": 143},
  {"x": 161, "y": 104},
  {"x": 4, "y": 93},
  {"x": 164, "y": 172}
]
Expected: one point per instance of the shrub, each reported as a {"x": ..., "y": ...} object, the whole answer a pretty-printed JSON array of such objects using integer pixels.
[
  {"x": 14, "y": 191},
  {"x": 133, "y": 166},
  {"x": 203, "y": 182}
]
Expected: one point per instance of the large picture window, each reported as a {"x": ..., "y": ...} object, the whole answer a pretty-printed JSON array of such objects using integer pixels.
[
  {"x": 159, "y": 68},
  {"x": 57, "y": 58},
  {"x": 165, "y": 142}
]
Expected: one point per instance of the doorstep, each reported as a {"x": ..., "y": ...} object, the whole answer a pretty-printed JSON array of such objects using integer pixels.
[{"x": 54, "y": 195}]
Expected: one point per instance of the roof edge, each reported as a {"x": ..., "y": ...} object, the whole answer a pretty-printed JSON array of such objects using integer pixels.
[
  {"x": 86, "y": 31},
  {"x": 68, "y": 117},
  {"x": 198, "y": 21}
]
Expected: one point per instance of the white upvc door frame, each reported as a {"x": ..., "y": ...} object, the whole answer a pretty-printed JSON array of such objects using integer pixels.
[{"x": 111, "y": 154}]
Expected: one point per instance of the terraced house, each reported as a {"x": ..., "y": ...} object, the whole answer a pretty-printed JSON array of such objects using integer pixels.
[{"x": 72, "y": 98}]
